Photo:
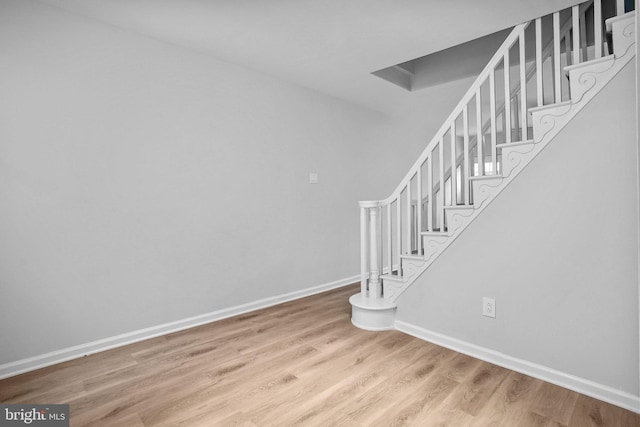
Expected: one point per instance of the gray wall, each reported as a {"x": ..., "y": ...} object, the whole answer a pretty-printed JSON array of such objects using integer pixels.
[
  {"x": 558, "y": 250},
  {"x": 141, "y": 183}
]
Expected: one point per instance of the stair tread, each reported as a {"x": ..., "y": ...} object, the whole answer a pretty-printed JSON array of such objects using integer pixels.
[
  {"x": 461, "y": 207},
  {"x": 392, "y": 277},
  {"x": 434, "y": 233},
  {"x": 414, "y": 257},
  {"x": 586, "y": 64},
  {"x": 544, "y": 107},
  {"x": 516, "y": 144},
  {"x": 482, "y": 177}
]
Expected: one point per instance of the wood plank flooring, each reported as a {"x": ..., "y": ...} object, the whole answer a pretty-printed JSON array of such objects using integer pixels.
[{"x": 301, "y": 363}]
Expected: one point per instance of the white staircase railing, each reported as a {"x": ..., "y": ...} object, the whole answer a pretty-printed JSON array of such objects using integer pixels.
[{"x": 525, "y": 72}]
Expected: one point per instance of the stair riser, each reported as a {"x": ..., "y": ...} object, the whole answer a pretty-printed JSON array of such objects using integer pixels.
[
  {"x": 624, "y": 33},
  {"x": 513, "y": 157},
  {"x": 458, "y": 219}
]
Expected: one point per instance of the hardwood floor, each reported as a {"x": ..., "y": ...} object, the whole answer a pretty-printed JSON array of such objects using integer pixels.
[{"x": 301, "y": 363}]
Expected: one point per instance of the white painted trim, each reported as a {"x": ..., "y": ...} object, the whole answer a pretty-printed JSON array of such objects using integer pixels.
[
  {"x": 32, "y": 363},
  {"x": 599, "y": 391},
  {"x": 638, "y": 161}
]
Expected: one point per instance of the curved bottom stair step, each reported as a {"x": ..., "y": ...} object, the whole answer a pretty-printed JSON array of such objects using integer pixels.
[{"x": 372, "y": 314}]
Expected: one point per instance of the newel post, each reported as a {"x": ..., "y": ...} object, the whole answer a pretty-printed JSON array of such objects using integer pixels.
[{"x": 369, "y": 264}]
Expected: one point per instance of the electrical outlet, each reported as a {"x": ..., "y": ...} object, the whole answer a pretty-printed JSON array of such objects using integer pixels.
[
  {"x": 313, "y": 178},
  {"x": 489, "y": 307}
]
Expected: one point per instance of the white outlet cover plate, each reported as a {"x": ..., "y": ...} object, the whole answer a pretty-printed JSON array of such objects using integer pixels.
[
  {"x": 489, "y": 307},
  {"x": 313, "y": 178}
]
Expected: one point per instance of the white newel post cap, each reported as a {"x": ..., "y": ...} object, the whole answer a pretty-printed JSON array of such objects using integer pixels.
[{"x": 369, "y": 204}]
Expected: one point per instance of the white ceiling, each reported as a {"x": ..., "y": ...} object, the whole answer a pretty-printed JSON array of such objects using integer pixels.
[{"x": 331, "y": 46}]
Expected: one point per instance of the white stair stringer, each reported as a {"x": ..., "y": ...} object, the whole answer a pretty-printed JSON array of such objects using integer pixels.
[{"x": 586, "y": 81}]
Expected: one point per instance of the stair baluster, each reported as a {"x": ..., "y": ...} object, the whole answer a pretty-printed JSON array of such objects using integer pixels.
[
  {"x": 441, "y": 186},
  {"x": 465, "y": 150},
  {"x": 523, "y": 87},
  {"x": 479, "y": 142},
  {"x": 597, "y": 27},
  {"x": 575, "y": 17},
  {"x": 539, "y": 91},
  {"x": 389, "y": 251},
  {"x": 399, "y": 233},
  {"x": 492, "y": 115}
]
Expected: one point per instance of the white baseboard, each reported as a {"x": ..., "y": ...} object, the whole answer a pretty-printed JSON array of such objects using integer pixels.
[
  {"x": 598, "y": 391},
  {"x": 32, "y": 363}
]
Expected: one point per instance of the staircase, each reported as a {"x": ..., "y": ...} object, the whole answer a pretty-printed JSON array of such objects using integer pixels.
[{"x": 544, "y": 73}]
